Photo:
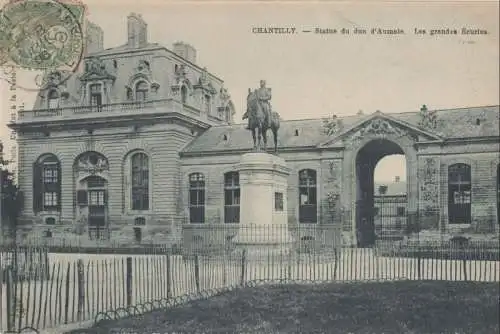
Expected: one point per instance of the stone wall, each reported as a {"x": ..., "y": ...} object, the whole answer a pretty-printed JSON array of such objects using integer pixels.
[
  {"x": 433, "y": 167},
  {"x": 161, "y": 142}
]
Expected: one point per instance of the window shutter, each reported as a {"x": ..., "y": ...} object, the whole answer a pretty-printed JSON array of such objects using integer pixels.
[
  {"x": 105, "y": 197},
  {"x": 37, "y": 188},
  {"x": 81, "y": 197},
  {"x": 58, "y": 190}
]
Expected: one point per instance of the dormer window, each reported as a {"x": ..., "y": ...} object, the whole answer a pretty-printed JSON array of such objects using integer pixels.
[
  {"x": 478, "y": 121},
  {"x": 96, "y": 96},
  {"x": 53, "y": 99},
  {"x": 141, "y": 91}
]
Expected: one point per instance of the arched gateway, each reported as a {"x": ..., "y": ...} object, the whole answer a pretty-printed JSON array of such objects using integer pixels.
[{"x": 366, "y": 143}]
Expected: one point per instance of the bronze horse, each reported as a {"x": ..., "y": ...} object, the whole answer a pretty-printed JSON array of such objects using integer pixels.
[{"x": 259, "y": 123}]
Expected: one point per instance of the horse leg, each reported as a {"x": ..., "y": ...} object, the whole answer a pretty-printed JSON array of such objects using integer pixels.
[
  {"x": 275, "y": 137},
  {"x": 260, "y": 138},
  {"x": 264, "y": 137},
  {"x": 254, "y": 139}
]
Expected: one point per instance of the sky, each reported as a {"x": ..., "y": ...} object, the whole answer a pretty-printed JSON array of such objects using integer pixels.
[{"x": 316, "y": 75}]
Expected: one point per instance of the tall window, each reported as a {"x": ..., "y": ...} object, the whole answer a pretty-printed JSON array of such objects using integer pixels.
[
  {"x": 207, "y": 103},
  {"x": 96, "y": 96},
  {"x": 184, "y": 94},
  {"x": 196, "y": 198},
  {"x": 307, "y": 196},
  {"x": 97, "y": 204},
  {"x": 47, "y": 184},
  {"x": 140, "y": 181},
  {"x": 141, "y": 91},
  {"x": 459, "y": 194},
  {"x": 232, "y": 197},
  {"x": 53, "y": 99},
  {"x": 498, "y": 194}
]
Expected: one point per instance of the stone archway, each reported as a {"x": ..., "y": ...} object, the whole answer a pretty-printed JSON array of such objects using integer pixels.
[
  {"x": 366, "y": 160},
  {"x": 398, "y": 138}
]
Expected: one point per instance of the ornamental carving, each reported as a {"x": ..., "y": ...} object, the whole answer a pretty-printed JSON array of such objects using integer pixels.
[
  {"x": 204, "y": 83},
  {"x": 180, "y": 73},
  {"x": 429, "y": 182},
  {"x": 143, "y": 67},
  {"x": 53, "y": 80},
  {"x": 332, "y": 125},
  {"x": 333, "y": 184},
  {"x": 224, "y": 96},
  {"x": 377, "y": 126},
  {"x": 92, "y": 163},
  {"x": 95, "y": 69},
  {"x": 428, "y": 118}
]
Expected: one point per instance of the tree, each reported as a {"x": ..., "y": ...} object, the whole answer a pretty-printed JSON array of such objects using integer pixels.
[
  {"x": 11, "y": 202},
  {"x": 382, "y": 189},
  {"x": 11, "y": 198}
]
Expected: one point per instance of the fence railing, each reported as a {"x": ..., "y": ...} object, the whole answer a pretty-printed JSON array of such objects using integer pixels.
[
  {"x": 86, "y": 288},
  {"x": 65, "y": 245}
]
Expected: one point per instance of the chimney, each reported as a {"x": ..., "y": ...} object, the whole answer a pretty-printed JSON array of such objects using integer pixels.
[
  {"x": 95, "y": 38},
  {"x": 137, "y": 30},
  {"x": 185, "y": 51},
  {"x": 397, "y": 178}
]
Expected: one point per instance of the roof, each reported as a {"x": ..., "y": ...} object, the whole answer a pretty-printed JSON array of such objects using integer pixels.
[
  {"x": 452, "y": 123},
  {"x": 125, "y": 48}
]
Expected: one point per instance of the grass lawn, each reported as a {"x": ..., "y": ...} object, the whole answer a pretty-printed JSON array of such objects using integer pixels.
[{"x": 398, "y": 307}]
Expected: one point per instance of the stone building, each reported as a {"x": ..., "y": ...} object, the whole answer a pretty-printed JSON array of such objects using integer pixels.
[{"x": 140, "y": 145}]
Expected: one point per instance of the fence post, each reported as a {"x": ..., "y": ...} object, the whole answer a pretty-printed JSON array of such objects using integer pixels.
[
  {"x": 419, "y": 267},
  {"x": 11, "y": 303},
  {"x": 81, "y": 290},
  {"x": 289, "y": 266},
  {"x": 169, "y": 277},
  {"x": 47, "y": 267},
  {"x": 464, "y": 260},
  {"x": 197, "y": 272},
  {"x": 66, "y": 302},
  {"x": 128, "y": 280},
  {"x": 243, "y": 260}
]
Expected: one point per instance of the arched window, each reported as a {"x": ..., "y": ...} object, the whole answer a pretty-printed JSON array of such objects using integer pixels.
[
  {"x": 232, "y": 197},
  {"x": 140, "y": 181},
  {"x": 53, "y": 99},
  {"x": 196, "y": 198},
  {"x": 47, "y": 184},
  {"x": 141, "y": 91},
  {"x": 307, "y": 196},
  {"x": 184, "y": 94},
  {"x": 459, "y": 194}
]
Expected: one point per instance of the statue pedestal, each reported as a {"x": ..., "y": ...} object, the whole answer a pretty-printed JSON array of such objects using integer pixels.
[{"x": 263, "y": 231}]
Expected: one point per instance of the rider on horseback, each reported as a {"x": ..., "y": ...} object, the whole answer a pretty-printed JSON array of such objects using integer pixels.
[{"x": 264, "y": 96}]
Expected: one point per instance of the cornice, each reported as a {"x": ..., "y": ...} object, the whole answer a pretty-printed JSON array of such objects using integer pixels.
[{"x": 111, "y": 121}]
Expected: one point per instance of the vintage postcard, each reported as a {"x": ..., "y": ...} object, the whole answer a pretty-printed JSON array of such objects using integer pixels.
[{"x": 249, "y": 166}]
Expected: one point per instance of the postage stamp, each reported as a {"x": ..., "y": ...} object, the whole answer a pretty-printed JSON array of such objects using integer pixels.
[{"x": 42, "y": 35}]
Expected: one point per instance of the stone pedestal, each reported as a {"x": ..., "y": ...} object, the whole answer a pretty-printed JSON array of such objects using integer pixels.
[{"x": 263, "y": 230}]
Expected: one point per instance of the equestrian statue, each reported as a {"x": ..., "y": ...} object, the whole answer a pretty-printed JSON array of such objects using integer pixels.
[{"x": 261, "y": 117}]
